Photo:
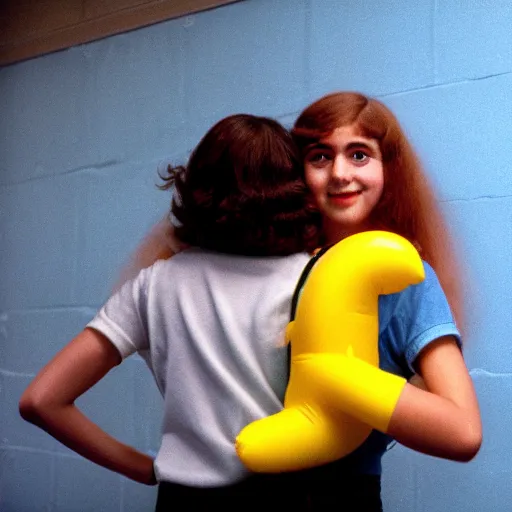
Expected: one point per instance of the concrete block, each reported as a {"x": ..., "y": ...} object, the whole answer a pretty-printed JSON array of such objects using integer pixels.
[
  {"x": 39, "y": 242},
  {"x": 82, "y": 486},
  {"x": 31, "y": 338},
  {"x": 137, "y": 497},
  {"x": 472, "y": 39},
  {"x": 117, "y": 210},
  {"x": 462, "y": 134},
  {"x": 484, "y": 228},
  {"x": 135, "y": 94},
  {"x": 147, "y": 421},
  {"x": 246, "y": 57},
  {"x": 399, "y": 479},
  {"x": 42, "y": 127},
  {"x": 26, "y": 480},
  {"x": 372, "y": 47},
  {"x": 482, "y": 485},
  {"x": 110, "y": 403},
  {"x": 14, "y": 431}
]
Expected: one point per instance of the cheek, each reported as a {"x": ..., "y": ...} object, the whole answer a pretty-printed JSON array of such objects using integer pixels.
[
  {"x": 375, "y": 180},
  {"x": 313, "y": 181},
  {"x": 379, "y": 188}
]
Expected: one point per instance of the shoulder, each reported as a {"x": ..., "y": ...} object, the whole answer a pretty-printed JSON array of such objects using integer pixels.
[
  {"x": 408, "y": 301},
  {"x": 194, "y": 262},
  {"x": 430, "y": 285},
  {"x": 415, "y": 317}
]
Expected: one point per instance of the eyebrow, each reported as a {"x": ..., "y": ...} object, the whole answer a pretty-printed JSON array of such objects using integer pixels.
[
  {"x": 360, "y": 144},
  {"x": 316, "y": 145},
  {"x": 349, "y": 146}
]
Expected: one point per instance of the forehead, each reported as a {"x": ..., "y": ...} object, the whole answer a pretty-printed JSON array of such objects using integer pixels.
[{"x": 345, "y": 136}]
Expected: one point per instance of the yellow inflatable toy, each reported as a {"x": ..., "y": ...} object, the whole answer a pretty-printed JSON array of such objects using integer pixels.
[{"x": 336, "y": 392}]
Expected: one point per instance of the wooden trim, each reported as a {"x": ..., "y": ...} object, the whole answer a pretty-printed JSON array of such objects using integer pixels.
[{"x": 22, "y": 37}]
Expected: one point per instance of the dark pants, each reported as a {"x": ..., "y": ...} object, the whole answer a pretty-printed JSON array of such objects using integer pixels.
[{"x": 293, "y": 491}]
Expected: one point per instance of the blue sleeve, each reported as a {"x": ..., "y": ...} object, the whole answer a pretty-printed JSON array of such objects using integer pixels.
[{"x": 411, "y": 320}]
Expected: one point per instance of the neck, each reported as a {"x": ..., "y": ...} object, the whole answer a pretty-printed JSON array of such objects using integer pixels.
[{"x": 334, "y": 233}]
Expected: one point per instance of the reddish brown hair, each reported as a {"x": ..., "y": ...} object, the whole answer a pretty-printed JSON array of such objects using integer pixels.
[
  {"x": 243, "y": 191},
  {"x": 408, "y": 205}
]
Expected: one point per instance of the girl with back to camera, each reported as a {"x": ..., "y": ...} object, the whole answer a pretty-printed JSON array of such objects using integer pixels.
[
  {"x": 208, "y": 322},
  {"x": 364, "y": 175}
]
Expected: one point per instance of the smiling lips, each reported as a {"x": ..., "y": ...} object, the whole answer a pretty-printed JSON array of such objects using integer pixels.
[{"x": 345, "y": 198}]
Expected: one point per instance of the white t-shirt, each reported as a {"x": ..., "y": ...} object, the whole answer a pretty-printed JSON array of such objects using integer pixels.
[{"x": 211, "y": 328}]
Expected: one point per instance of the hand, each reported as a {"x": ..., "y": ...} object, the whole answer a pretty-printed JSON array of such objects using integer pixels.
[{"x": 150, "y": 476}]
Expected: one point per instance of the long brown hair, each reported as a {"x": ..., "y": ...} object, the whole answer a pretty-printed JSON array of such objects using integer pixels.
[
  {"x": 243, "y": 191},
  {"x": 408, "y": 205}
]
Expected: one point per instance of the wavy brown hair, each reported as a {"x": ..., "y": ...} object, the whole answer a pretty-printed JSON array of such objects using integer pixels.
[
  {"x": 243, "y": 191},
  {"x": 408, "y": 205}
]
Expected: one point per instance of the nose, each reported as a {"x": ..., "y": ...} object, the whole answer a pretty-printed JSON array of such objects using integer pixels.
[{"x": 341, "y": 170}]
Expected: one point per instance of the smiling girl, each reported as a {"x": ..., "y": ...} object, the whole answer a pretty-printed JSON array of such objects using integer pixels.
[
  {"x": 364, "y": 175},
  {"x": 344, "y": 172}
]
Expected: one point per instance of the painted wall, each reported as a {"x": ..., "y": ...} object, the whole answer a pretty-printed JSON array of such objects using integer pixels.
[{"x": 83, "y": 132}]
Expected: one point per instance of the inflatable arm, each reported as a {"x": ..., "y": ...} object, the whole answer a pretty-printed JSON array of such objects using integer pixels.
[{"x": 336, "y": 393}]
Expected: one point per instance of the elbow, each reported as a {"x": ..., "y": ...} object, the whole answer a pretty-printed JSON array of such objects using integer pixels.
[
  {"x": 28, "y": 409},
  {"x": 31, "y": 408},
  {"x": 469, "y": 445}
]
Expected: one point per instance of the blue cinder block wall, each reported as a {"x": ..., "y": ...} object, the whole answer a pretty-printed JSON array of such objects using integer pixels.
[{"x": 83, "y": 132}]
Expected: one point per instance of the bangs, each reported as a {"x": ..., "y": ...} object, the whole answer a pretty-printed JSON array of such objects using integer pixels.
[{"x": 370, "y": 118}]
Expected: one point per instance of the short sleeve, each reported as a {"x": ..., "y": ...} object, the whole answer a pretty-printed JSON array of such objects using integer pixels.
[
  {"x": 420, "y": 315},
  {"x": 123, "y": 319}
]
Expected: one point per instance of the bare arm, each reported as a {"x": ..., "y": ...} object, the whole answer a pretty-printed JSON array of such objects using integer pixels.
[
  {"x": 445, "y": 420},
  {"x": 48, "y": 402}
]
